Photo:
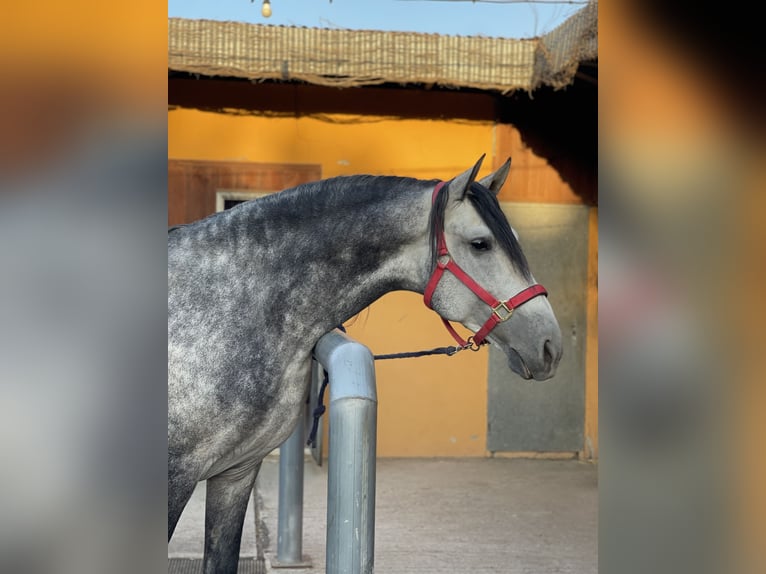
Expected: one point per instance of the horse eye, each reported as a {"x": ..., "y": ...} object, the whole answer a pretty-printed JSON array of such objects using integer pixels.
[{"x": 480, "y": 245}]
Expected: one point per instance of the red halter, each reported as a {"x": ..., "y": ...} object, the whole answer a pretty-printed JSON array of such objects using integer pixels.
[{"x": 501, "y": 310}]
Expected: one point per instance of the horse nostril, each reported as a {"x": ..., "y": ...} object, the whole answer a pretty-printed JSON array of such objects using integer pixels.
[{"x": 548, "y": 352}]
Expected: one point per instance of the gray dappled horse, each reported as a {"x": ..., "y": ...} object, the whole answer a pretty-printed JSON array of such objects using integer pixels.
[{"x": 252, "y": 289}]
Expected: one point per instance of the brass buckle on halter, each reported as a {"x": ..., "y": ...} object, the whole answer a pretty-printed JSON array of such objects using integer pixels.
[{"x": 506, "y": 312}]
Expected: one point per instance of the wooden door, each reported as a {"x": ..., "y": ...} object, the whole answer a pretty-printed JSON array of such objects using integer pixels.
[{"x": 193, "y": 184}]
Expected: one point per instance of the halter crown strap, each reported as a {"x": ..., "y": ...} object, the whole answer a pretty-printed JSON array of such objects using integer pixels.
[{"x": 501, "y": 310}]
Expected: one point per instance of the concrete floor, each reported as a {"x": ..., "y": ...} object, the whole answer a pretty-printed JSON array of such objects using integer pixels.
[{"x": 438, "y": 516}]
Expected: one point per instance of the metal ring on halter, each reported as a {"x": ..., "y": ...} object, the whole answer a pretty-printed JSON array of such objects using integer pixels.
[{"x": 471, "y": 344}]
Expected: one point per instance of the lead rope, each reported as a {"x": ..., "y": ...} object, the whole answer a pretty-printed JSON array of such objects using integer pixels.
[
  {"x": 320, "y": 408},
  {"x": 318, "y": 412}
]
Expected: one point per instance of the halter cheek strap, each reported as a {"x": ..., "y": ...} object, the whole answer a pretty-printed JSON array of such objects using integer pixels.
[{"x": 501, "y": 310}]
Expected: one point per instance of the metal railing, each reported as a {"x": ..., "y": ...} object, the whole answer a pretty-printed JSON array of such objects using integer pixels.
[
  {"x": 290, "y": 518},
  {"x": 351, "y": 464}
]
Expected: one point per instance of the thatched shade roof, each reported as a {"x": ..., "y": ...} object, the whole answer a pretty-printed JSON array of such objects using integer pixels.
[{"x": 346, "y": 58}]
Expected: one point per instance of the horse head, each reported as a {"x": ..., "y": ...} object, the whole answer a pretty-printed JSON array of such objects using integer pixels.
[{"x": 481, "y": 277}]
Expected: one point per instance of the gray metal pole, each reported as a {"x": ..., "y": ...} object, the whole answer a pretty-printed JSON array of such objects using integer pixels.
[
  {"x": 290, "y": 523},
  {"x": 351, "y": 463}
]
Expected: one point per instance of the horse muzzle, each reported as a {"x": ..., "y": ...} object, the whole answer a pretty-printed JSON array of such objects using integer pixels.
[{"x": 538, "y": 364}]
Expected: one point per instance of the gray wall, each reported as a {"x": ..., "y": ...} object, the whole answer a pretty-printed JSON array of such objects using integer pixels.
[{"x": 548, "y": 415}]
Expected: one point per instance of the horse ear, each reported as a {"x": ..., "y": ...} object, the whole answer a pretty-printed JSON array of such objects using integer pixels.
[
  {"x": 459, "y": 185},
  {"x": 494, "y": 181}
]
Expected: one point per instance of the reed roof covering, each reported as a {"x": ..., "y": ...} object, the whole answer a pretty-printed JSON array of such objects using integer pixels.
[{"x": 346, "y": 58}]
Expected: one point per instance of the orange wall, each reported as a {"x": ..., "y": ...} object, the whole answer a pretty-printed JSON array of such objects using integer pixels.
[
  {"x": 433, "y": 406},
  {"x": 117, "y": 50},
  {"x": 416, "y": 148}
]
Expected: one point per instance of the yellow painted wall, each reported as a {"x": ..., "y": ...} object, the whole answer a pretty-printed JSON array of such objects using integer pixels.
[
  {"x": 115, "y": 50},
  {"x": 344, "y": 146},
  {"x": 428, "y": 407}
]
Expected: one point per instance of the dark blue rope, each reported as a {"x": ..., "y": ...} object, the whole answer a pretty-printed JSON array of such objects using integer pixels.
[
  {"x": 318, "y": 412},
  {"x": 320, "y": 408},
  {"x": 449, "y": 351}
]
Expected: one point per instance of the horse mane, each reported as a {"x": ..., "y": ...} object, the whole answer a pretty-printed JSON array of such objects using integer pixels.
[
  {"x": 333, "y": 194},
  {"x": 339, "y": 192},
  {"x": 311, "y": 198},
  {"x": 486, "y": 204},
  {"x": 366, "y": 188}
]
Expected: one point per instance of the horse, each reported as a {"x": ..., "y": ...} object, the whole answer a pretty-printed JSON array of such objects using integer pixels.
[{"x": 252, "y": 289}]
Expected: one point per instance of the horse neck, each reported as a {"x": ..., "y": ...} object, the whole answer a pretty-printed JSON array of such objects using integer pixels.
[{"x": 346, "y": 250}]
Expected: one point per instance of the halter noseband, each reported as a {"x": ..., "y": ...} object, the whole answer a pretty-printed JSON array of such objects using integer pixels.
[{"x": 501, "y": 310}]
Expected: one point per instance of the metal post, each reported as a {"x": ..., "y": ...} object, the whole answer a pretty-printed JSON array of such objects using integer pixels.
[
  {"x": 352, "y": 450},
  {"x": 290, "y": 522}
]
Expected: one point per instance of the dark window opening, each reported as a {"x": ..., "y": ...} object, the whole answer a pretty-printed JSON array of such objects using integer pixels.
[{"x": 229, "y": 203}]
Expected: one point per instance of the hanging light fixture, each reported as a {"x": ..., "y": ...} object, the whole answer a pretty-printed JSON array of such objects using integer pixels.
[{"x": 265, "y": 8}]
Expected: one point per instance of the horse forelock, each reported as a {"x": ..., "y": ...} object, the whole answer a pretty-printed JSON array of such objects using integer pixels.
[
  {"x": 436, "y": 221},
  {"x": 486, "y": 205}
]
